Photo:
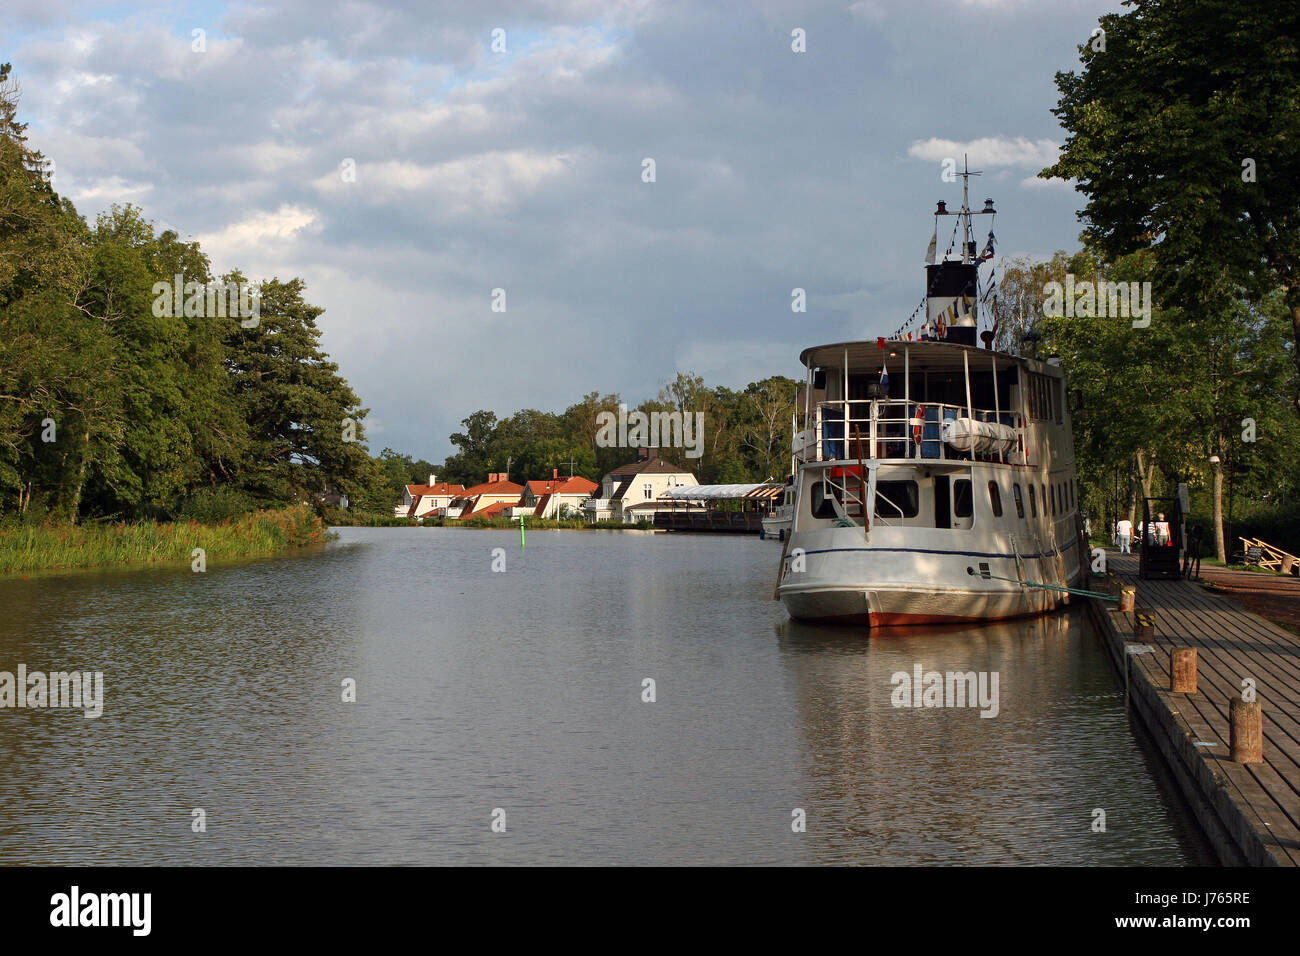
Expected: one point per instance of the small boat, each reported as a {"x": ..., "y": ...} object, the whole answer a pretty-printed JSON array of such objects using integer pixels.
[
  {"x": 935, "y": 479},
  {"x": 776, "y": 523}
]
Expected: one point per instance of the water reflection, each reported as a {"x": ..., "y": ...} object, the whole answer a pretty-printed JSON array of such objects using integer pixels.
[{"x": 932, "y": 785}]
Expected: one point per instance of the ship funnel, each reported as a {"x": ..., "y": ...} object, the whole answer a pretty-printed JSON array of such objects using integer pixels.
[{"x": 950, "y": 300}]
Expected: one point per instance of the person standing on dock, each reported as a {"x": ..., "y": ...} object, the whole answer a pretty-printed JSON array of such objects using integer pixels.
[
  {"x": 1124, "y": 532},
  {"x": 1162, "y": 531}
]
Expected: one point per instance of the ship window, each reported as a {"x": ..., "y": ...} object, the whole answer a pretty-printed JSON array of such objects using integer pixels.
[
  {"x": 1020, "y": 504},
  {"x": 1033, "y": 503},
  {"x": 995, "y": 498},
  {"x": 897, "y": 496},
  {"x": 961, "y": 498},
  {"x": 1052, "y": 491},
  {"x": 822, "y": 505}
]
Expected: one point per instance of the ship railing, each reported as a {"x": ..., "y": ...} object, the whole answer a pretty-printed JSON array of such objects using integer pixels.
[{"x": 887, "y": 429}]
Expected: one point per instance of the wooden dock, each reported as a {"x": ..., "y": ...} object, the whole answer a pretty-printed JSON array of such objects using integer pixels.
[{"x": 1250, "y": 812}]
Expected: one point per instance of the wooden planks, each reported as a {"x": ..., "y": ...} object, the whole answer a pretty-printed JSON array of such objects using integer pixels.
[{"x": 1251, "y": 813}]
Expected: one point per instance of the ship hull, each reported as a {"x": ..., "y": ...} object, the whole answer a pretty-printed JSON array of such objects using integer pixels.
[{"x": 837, "y": 576}]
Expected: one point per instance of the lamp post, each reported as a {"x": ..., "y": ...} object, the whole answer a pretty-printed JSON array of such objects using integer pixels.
[{"x": 1216, "y": 479}]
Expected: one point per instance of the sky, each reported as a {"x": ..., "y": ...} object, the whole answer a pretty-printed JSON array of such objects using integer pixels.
[{"x": 405, "y": 169}]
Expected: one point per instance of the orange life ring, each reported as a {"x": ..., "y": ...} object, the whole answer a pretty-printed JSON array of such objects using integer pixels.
[{"x": 917, "y": 423}]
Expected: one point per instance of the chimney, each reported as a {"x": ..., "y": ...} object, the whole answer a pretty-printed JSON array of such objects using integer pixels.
[
  {"x": 555, "y": 474},
  {"x": 433, "y": 479}
]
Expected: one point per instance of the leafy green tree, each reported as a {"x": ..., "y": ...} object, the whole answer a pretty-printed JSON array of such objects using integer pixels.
[
  {"x": 1184, "y": 134},
  {"x": 305, "y": 422},
  {"x": 471, "y": 464}
]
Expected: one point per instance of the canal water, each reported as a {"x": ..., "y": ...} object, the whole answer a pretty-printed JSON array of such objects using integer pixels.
[{"x": 520, "y": 697}]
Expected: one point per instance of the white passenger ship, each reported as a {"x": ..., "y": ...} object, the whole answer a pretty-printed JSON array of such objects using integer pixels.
[{"x": 935, "y": 479}]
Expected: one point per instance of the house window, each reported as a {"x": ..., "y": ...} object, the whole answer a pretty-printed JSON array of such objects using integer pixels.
[
  {"x": 1020, "y": 504},
  {"x": 995, "y": 499},
  {"x": 649, "y": 490},
  {"x": 961, "y": 498}
]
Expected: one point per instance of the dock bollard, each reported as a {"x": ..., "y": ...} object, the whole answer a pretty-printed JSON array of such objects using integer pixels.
[
  {"x": 1182, "y": 672},
  {"x": 1287, "y": 564},
  {"x": 1246, "y": 731},
  {"x": 1144, "y": 628},
  {"x": 1127, "y": 598}
]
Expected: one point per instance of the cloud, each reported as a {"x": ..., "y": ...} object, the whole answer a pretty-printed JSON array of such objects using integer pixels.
[
  {"x": 1034, "y": 182},
  {"x": 988, "y": 151},
  {"x": 477, "y": 170},
  {"x": 256, "y": 234}
]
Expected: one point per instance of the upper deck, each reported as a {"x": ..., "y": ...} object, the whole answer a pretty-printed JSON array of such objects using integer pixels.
[{"x": 853, "y": 412}]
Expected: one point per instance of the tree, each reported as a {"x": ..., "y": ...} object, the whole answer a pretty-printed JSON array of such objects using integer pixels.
[
  {"x": 1184, "y": 134},
  {"x": 305, "y": 431},
  {"x": 471, "y": 464}
]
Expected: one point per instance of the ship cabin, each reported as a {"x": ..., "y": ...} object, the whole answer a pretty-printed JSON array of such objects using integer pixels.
[{"x": 918, "y": 426}]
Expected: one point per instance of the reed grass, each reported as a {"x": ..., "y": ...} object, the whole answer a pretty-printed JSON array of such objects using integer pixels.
[{"x": 28, "y": 547}]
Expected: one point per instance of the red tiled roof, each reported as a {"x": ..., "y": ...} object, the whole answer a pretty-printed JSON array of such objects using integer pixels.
[
  {"x": 493, "y": 488},
  {"x": 541, "y": 504},
  {"x": 488, "y": 510},
  {"x": 441, "y": 488},
  {"x": 576, "y": 485}
]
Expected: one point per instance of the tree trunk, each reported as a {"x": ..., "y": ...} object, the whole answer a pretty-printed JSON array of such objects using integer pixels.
[
  {"x": 81, "y": 479},
  {"x": 1216, "y": 518},
  {"x": 1131, "y": 509},
  {"x": 1146, "y": 472},
  {"x": 1293, "y": 297}
]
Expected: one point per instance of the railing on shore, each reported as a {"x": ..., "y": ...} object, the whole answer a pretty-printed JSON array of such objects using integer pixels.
[{"x": 736, "y": 522}]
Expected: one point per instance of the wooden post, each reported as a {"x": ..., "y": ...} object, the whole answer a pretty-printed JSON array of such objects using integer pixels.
[
  {"x": 1247, "y": 731},
  {"x": 1127, "y": 598},
  {"x": 1287, "y": 564},
  {"x": 1144, "y": 629},
  {"x": 1182, "y": 672}
]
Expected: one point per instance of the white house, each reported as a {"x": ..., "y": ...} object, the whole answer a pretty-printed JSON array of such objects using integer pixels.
[
  {"x": 553, "y": 497},
  {"x": 491, "y": 497},
  {"x": 420, "y": 500},
  {"x": 632, "y": 492}
]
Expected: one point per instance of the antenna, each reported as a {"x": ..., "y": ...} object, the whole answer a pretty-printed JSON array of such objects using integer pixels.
[{"x": 966, "y": 174}]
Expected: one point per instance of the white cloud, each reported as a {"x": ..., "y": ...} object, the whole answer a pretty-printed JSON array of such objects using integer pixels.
[
  {"x": 988, "y": 151},
  {"x": 1033, "y": 182},
  {"x": 255, "y": 233},
  {"x": 487, "y": 182}
]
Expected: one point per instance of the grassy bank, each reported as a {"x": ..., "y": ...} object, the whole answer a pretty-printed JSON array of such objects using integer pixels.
[{"x": 25, "y": 548}]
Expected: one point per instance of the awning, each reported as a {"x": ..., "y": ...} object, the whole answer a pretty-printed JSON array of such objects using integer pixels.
[{"x": 760, "y": 492}]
